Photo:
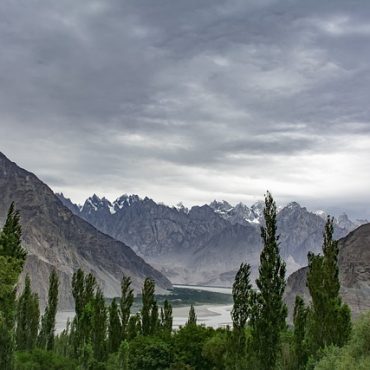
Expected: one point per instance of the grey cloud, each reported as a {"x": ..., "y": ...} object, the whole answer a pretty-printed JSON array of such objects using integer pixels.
[{"x": 198, "y": 98}]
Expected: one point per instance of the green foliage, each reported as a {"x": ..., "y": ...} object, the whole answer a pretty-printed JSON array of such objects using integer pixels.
[
  {"x": 127, "y": 299},
  {"x": 123, "y": 355},
  {"x": 242, "y": 294},
  {"x": 10, "y": 236},
  {"x": 148, "y": 303},
  {"x": 149, "y": 353},
  {"x": 99, "y": 327},
  {"x": 188, "y": 344},
  {"x": 192, "y": 317},
  {"x": 166, "y": 318},
  {"x": 27, "y": 318},
  {"x": 269, "y": 311},
  {"x": 299, "y": 320},
  {"x": 355, "y": 355},
  {"x": 46, "y": 336},
  {"x": 215, "y": 349},
  {"x": 39, "y": 359},
  {"x": 134, "y": 326},
  {"x": 328, "y": 320},
  {"x": 12, "y": 258},
  {"x": 114, "y": 328},
  {"x": 83, "y": 291}
]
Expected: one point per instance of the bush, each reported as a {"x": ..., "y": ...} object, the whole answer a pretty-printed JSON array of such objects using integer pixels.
[
  {"x": 39, "y": 359},
  {"x": 353, "y": 356},
  {"x": 149, "y": 353}
]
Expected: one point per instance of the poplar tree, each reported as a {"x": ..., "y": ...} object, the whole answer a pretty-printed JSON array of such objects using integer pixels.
[
  {"x": 242, "y": 291},
  {"x": 166, "y": 317},
  {"x": 329, "y": 320},
  {"x": 154, "y": 319},
  {"x": 148, "y": 302},
  {"x": 299, "y": 321},
  {"x": 99, "y": 326},
  {"x": 27, "y": 318},
  {"x": 269, "y": 312},
  {"x": 192, "y": 317},
  {"x": 46, "y": 337},
  {"x": 115, "y": 328},
  {"x": 83, "y": 291},
  {"x": 127, "y": 299},
  {"x": 12, "y": 258}
]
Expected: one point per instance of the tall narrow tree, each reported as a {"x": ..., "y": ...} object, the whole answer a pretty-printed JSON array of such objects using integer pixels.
[
  {"x": 127, "y": 299},
  {"x": 27, "y": 318},
  {"x": 99, "y": 327},
  {"x": 148, "y": 301},
  {"x": 166, "y": 317},
  {"x": 12, "y": 258},
  {"x": 46, "y": 337},
  {"x": 299, "y": 321},
  {"x": 269, "y": 314},
  {"x": 192, "y": 317},
  {"x": 329, "y": 320},
  {"x": 242, "y": 291},
  {"x": 115, "y": 328}
]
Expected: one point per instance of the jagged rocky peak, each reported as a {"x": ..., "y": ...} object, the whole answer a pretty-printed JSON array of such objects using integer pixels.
[
  {"x": 126, "y": 200},
  {"x": 221, "y": 207},
  {"x": 95, "y": 204},
  {"x": 201, "y": 212},
  {"x": 258, "y": 207},
  {"x": 181, "y": 208},
  {"x": 321, "y": 214}
]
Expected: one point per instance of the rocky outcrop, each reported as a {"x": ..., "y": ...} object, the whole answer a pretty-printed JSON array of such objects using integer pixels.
[
  {"x": 354, "y": 273},
  {"x": 56, "y": 238}
]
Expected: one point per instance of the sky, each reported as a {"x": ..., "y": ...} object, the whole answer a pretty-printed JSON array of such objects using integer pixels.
[{"x": 190, "y": 100}]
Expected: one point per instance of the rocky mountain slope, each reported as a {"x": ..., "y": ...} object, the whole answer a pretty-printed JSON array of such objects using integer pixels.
[
  {"x": 354, "y": 273},
  {"x": 206, "y": 244},
  {"x": 55, "y": 237}
]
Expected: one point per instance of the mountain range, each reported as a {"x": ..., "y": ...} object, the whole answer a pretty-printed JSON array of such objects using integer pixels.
[
  {"x": 56, "y": 238},
  {"x": 205, "y": 244}
]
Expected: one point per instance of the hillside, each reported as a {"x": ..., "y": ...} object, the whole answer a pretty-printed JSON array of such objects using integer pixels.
[{"x": 55, "y": 237}]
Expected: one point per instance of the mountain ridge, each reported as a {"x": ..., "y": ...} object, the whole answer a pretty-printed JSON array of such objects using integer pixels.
[
  {"x": 188, "y": 244},
  {"x": 55, "y": 237}
]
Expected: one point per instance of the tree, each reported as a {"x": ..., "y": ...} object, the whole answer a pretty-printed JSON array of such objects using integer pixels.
[
  {"x": 10, "y": 236},
  {"x": 192, "y": 317},
  {"x": 149, "y": 353},
  {"x": 166, "y": 317},
  {"x": 12, "y": 258},
  {"x": 27, "y": 318},
  {"x": 99, "y": 327},
  {"x": 123, "y": 355},
  {"x": 299, "y": 320},
  {"x": 329, "y": 320},
  {"x": 115, "y": 328},
  {"x": 127, "y": 299},
  {"x": 83, "y": 291},
  {"x": 46, "y": 337},
  {"x": 242, "y": 290},
  {"x": 148, "y": 302},
  {"x": 269, "y": 312}
]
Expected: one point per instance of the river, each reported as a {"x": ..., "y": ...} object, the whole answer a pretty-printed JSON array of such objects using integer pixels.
[{"x": 213, "y": 315}]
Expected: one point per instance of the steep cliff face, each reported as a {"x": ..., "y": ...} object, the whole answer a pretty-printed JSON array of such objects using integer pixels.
[
  {"x": 206, "y": 244},
  {"x": 55, "y": 237},
  {"x": 354, "y": 273}
]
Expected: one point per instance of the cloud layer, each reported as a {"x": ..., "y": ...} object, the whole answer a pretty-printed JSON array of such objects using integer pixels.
[{"x": 190, "y": 100}]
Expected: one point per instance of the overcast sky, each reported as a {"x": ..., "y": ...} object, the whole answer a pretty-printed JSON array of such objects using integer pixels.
[{"x": 190, "y": 100}]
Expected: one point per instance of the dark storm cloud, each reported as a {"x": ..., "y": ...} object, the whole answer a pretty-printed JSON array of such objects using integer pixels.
[{"x": 189, "y": 100}]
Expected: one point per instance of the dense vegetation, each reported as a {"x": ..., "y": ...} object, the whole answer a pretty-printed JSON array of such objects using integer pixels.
[{"x": 115, "y": 336}]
